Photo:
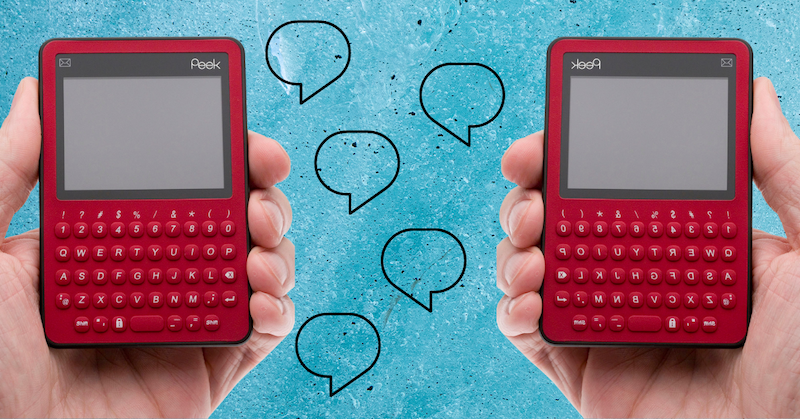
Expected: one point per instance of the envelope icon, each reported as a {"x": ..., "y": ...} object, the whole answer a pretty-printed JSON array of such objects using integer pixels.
[
  {"x": 726, "y": 62},
  {"x": 65, "y": 62}
]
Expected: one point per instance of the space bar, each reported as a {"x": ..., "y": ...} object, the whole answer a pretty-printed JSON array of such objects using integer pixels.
[
  {"x": 644, "y": 323},
  {"x": 147, "y": 323}
]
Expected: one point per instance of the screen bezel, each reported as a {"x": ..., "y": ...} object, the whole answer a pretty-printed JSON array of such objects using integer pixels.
[
  {"x": 109, "y": 65},
  {"x": 649, "y": 64}
]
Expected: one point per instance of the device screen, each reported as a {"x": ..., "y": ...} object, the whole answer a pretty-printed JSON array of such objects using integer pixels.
[
  {"x": 648, "y": 126},
  {"x": 126, "y": 135}
]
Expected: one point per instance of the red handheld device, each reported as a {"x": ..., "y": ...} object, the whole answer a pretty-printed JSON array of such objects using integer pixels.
[
  {"x": 143, "y": 189},
  {"x": 647, "y": 192}
]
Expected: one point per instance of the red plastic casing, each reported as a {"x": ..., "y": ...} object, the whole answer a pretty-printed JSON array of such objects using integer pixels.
[
  {"x": 556, "y": 322},
  {"x": 235, "y": 323}
]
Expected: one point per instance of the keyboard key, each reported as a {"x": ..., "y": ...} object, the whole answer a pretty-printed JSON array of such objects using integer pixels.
[
  {"x": 156, "y": 299},
  {"x": 579, "y": 322},
  {"x": 191, "y": 229},
  {"x": 100, "y": 300},
  {"x": 155, "y": 252},
  {"x": 192, "y": 276},
  {"x": 581, "y": 299},
  {"x": 644, "y": 323},
  {"x": 210, "y": 252},
  {"x": 692, "y": 230},
  {"x": 99, "y": 253},
  {"x": 692, "y": 253},
  {"x": 654, "y": 300},
  {"x": 212, "y": 322},
  {"x": 137, "y": 300},
  {"x": 617, "y": 299},
  {"x": 710, "y": 253},
  {"x": 710, "y": 230},
  {"x": 728, "y": 230},
  {"x": 81, "y": 277},
  {"x": 599, "y": 275},
  {"x": 229, "y": 299},
  {"x": 211, "y": 299},
  {"x": 155, "y": 276},
  {"x": 563, "y": 252},
  {"x": 191, "y": 252},
  {"x": 209, "y": 228},
  {"x": 635, "y": 299},
  {"x": 118, "y": 253},
  {"x": 561, "y": 298},
  {"x": 674, "y": 230},
  {"x": 691, "y": 300},
  {"x": 99, "y": 230},
  {"x": 119, "y": 324},
  {"x": 193, "y": 299},
  {"x": 636, "y": 276},
  {"x": 173, "y": 252},
  {"x": 562, "y": 275},
  {"x": 618, "y": 252},
  {"x": 119, "y": 300},
  {"x": 581, "y": 252},
  {"x": 137, "y": 276},
  {"x": 581, "y": 275},
  {"x": 672, "y": 300},
  {"x": 228, "y": 228},
  {"x": 63, "y": 277},
  {"x": 136, "y": 229},
  {"x": 563, "y": 228},
  {"x": 154, "y": 229},
  {"x": 210, "y": 275},
  {"x": 673, "y": 253},
  {"x": 728, "y": 277},
  {"x": 228, "y": 251},
  {"x": 62, "y": 230},
  {"x": 81, "y": 253},
  {"x": 654, "y": 276},
  {"x": 728, "y": 301},
  {"x": 710, "y": 277},
  {"x": 673, "y": 276},
  {"x": 728, "y": 253},
  {"x": 599, "y": 252},
  {"x": 174, "y": 276},
  {"x": 637, "y": 229},
  {"x": 193, "y": 323},
  {"x": 582, "y": 228},
  {"x": 598, "y": 323},
  {"x": 709, "y": 324},
  {"x": 63, "y": 253},
  {"x": 616, "y": 323},
  {"x": 63, "y": 301},
  {"x": 618, "y": 276},
  {"x": 173, "y": 229},
  {"x": 81, "y": 230},
  {"x": 136, "y": 253},
  {"x": 100, "y": 324},
  {"x": 100, "y": 276},
  {"x": 655, "y": 229},
  {"x": 118, "y": 276},
  {"x": 147, "y": 323},
  {"x": 655, "y": 253},
  {"x": 691, "y": 277},
  {"x": 619, "y": 229},
  {"x": 600, "y": 228},
  {"x": 81, "y": 300},
  {"x": 690, "y": 324},
  {"x": 174, "y": 323},
  {"x": 117, "y": 230},
  {"x": 174, "y": 299},
  {"x": 81, "y": 324},
  {"x": 636, "y": 252},
  {"x": 598, "y": 299},
  {"x": 672, "y": 324}
]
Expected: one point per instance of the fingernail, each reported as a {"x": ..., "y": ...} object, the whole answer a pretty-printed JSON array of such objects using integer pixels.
[
  {"x": 274, "y": 215},
  {"x": 277, "y": 265},
  {"x": 511, "y": 304},
  {"x": 276, "y": 302},
  {"x": 516, "y": 214},
  {"x": 17, "y": 94},
  {"x": 514, "y": 266}
]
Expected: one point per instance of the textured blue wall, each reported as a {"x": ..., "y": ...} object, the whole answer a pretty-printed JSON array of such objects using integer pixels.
[{"x": 452, "y": 362}]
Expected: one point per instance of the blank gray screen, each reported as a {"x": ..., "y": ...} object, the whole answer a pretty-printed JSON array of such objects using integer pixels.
[
  {"x": 648, "y": 133},
  {"x": 143, "y": 133}
]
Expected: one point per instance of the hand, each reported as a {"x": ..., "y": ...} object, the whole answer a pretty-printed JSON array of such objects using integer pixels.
[
  {"x": 760, "y": 379},
  {"x": 144, "y": 382}
]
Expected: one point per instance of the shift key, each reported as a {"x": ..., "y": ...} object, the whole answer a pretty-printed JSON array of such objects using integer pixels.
[
  {"x": 644, "y": 323},
  {"x": 147, "y": 323}
]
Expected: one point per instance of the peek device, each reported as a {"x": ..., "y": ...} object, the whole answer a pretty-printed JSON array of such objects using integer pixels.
[
  {"x": 143, "y": 190},
  {"x": 647, "y": 192}
]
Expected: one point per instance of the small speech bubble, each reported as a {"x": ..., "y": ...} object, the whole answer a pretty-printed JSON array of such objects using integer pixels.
[
  {"x": 339, "y": 347},
  {"x": 462, "y": 96},
  {"x": 359, "y": 164},
  {"x": 423, "y": 261},
  {"x": 308, "y": 53}
]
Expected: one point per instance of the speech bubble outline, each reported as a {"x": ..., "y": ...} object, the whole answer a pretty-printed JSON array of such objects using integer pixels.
[
  {"x": 430, "y": 294},
  {"x": 349, "y": 195},
  {"x": 330, "y": 377},
  {"x": 274, "y": 73},
  {"x": 469, "y": 127}
]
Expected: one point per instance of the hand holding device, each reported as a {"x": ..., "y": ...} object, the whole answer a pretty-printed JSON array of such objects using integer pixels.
[
  {"x": 176, "y": 382},
  {"x": 758, "y": 379}
]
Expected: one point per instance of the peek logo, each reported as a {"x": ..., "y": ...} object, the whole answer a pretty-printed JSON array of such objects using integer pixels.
[
  {"x": 206, "y": 65},
  {"x": 586, "y": 65}
]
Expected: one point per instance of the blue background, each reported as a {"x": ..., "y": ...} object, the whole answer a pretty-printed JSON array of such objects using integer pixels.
[{"x": 452, "y": 362}]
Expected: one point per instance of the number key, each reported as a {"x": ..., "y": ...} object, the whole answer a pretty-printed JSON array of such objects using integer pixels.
[
  {"x": 563, "y": 228},
  {"x": 173, "y": 229},
  {"x": 209, "y": 228},
  {"x": 117, "y": 230},
  {"x": 619, "y": 229},
  {"x": 582, "y": 228},
  {"x": 81, "y": 230},
  {"x": 673, "y": 230},
  {"x": 154, "y": 229},
  {"x": 710, "y": 230},
  {"x": 62, "y": 230},
  {"x": 191, "y": 229},
  {"x": 136, "y": 229},
  {"x": 228, "y": 228},
  {"x": 729, "y": 230},
  {"x": 99, "y": 230},
  {"x": 656, "y": 229},
  {"x": 637, "y": 229},
  {"x": 600, "y": 228},
  {"x": 692, "y": 230}
]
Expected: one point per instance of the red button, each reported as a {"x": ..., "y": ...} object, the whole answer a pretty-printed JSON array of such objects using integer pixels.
[
  {"x": 62, "y": 230},
  {"x": 100, "y": 300},
  {"x": 691, "y": 277},
  {"x": 581, "y": 299},
  {"x": 618, "y": 276},
  {"x": 228, "y": 251},
  {"x": 635, "y": 299},
  {"x": 644, "y": 323},
  {"x": 193, "y": 323},
  {"x": 174, "y": 323},
  {"x": 562, "y": 298},
  {"x": 229, "y": 299},
  {"x": 147, "y": 323},
  {"x": 582, "y": 228},
  {"x": 99, "y": 253},
  {"x": 137, "y": 276},
  {"x": 619, "y": 229},
  {"x": 100, "y": 324},
  {"x": 81, "y": 277},
  {"x": 709, "y": 324},
  {"x": 692, "y": 230},
  {"x": 155, "y": 276},
  {"x": 710, "y": 277},
  {"x": 63, "y": 277},
  {"x": 654, "y": 300},
  {"x": 709, "y": 300},
  {"x": 617, "y": 299},
  {"x": 81, "y": 300},
  {"x": 156, "y": 299},
  {"x": 691, "y": 300},
  {"x": 137, "y": 300},
  {"x": 728, "y": 277},
  {"x": 209, "y": 228},
  {"x": 191, "y": 252},
  {"x": 600, "y": 228},
  {"x": 62, "y": 301},
  {"x": 655, "y": 253},
  {"x": 118, "y": 324},
  {"x": 673, "y": 277},
  {"x": 212, "y": 322},
  {"x": 192, "y": 276},
  {"x": 81, "y": 253},
  {"x": 563, "y": 228},
  {"x": 210, "y": 275},
  {"x": 173, "y": 229},
  {"x": 191, "y": 229},
  {"x": 728, "y": 253},
  {"x": 581, "y": 275},
  {"x": 81, "y": 324},
  {"x": 637, "y": 229},
  {"x": 600, "y": 252},
  {"x": 229, "y": 275},
  {"x": 672, "y": 324},
  {"x": 81, "y": 230},
  {"x": 210, "y": 252},
  {"x": 119, "y": 300},
  {"x": 581, "y": 252},
  {"x": 637, "y": 252},
  {"x": 672, "y": 300},
  {"x": 673, "y": 253},
  {"x": 227, "y": 228},
  {"x": 117, "y": 230},
  {"x": 136, "y": 253},
  {"x": 728, "y": 301},
  {"x": 155, "y": 252},
  {"x": 136, "y": 229},
  {"x": 579, "y": 322},
  {"x": 562, "y": 275},
  {"x": 598, "y": 323},
  {"x": 598, "y": 299},
  {"x": 656, "y": 229},
  {"x": 654, "y": 276},
  {"x": 99, "y": 230},
  {"x": 193, "y": 299},
  {"x": 118, "y": 253},
  {"x": 690, "y": 324},
  {"x": 710, "y": 253},
  {"x": 674, "y": 230},
  {"x": 692, "y": 253},
  {"x": 618, "y": 252},
  {"x": 174, "y": 276},
  {"x": 729, "y": 230},
  {"x": 710, "y": 230},
  {"x": 154, "y": 229},
  {"x": 599, "y": 275},
  {"x": 636, "y": 276},
  {"x": 211, "y": 299},
  {"x": 616, "y": 323},
  {"x": 563, "y": 252},
  {"x": 173, "y": 252},
  {"x": 174, "y": 299}
]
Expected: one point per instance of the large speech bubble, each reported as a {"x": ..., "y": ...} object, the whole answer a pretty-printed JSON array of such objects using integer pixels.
[
  {"x": 420, "y": 262},
  {"x": 462, "y": 96},
  {"x": 339, "y": 347},
  {"x": 358, "y": 164},
  {"x": 309, "y": 54}
]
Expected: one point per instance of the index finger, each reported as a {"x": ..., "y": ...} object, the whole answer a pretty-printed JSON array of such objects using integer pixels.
[
  {"x": 269, "y": 163},
  {"x": 522, "y": 163}
]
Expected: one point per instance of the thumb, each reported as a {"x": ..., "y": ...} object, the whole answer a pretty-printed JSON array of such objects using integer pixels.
[{"x": 20, "y": 141}]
